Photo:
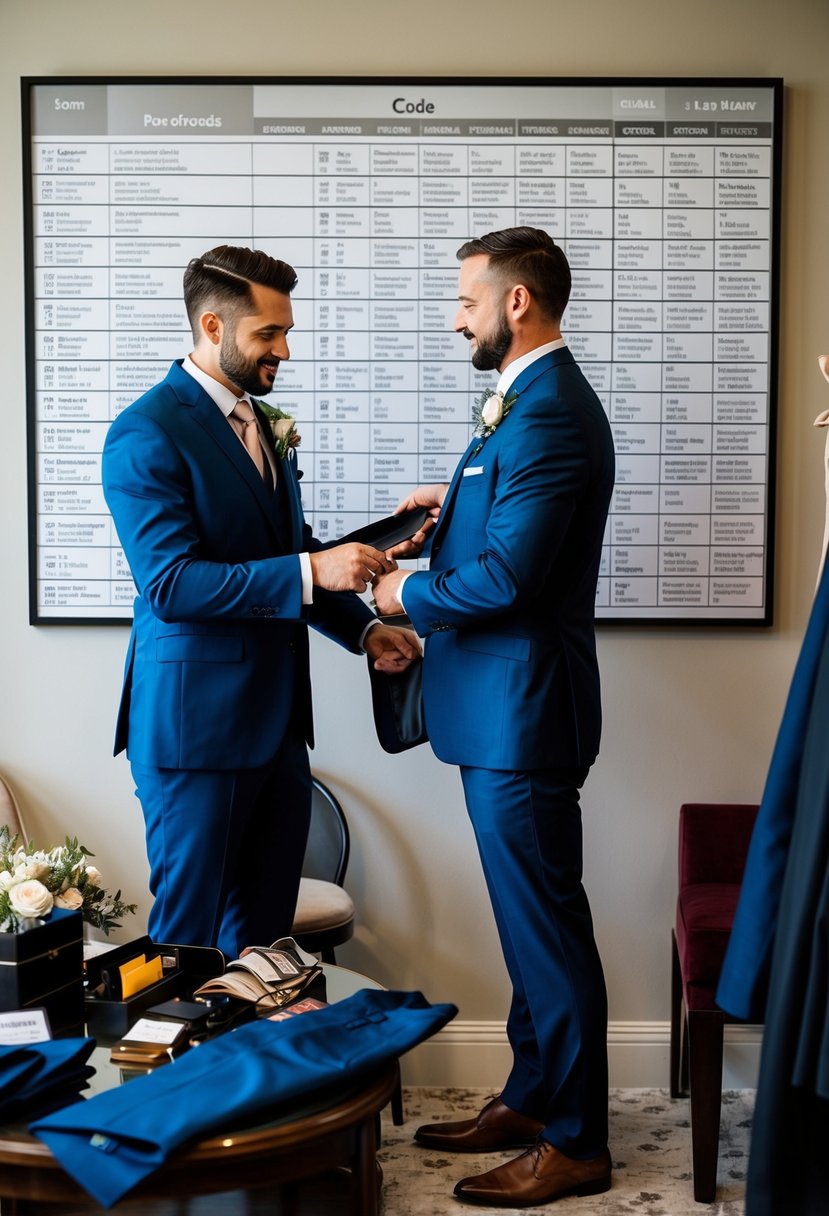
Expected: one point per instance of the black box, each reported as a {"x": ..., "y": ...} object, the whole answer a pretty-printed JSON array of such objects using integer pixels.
[
  {"x": 43, "y": 966},
  {"x": 183, "y": 969}
]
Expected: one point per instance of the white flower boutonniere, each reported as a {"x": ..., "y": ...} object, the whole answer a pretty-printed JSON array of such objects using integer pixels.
[
  {"x": 283, "y": 428},
  {"x": 489, "y": 411}
]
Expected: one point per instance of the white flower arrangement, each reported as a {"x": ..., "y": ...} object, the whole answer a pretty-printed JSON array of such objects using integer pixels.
[
  {"x": 34, "y": 881},
  {"x": 283, "y": 428}
]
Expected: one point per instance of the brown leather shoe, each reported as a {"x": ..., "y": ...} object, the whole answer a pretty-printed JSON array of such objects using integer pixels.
[
  {"x": 539, "y": 1175},
  {"x": 495, "y": 1127}
]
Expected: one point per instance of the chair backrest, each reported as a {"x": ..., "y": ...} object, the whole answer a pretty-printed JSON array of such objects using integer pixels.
[
  {"x": 10, "y": 811},
  {"x": 329, "y": 842},
  {"x": 713, "y": 841}
]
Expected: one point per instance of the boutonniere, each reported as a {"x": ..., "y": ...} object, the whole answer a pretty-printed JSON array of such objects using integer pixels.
[
  {"x": 283, "y": 428},
  {"x": 489, "y": 411}
]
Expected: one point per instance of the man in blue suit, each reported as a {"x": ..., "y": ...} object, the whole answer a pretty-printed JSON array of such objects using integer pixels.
[
  {"x": 511, "y": 695},
  {"x": 216, "y": 706}
]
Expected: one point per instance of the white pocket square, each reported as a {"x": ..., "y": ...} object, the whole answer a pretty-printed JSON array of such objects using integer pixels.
[{"x": 475, "y": 471}]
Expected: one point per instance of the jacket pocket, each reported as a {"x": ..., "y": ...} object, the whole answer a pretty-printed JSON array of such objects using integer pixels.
[
  {"x": 501, "y": 645},
  {"x": 199, "y": 648}
]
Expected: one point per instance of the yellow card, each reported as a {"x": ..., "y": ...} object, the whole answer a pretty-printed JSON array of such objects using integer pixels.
[
  {"x": 138, "y": 961},
  {"x": 139, "y": 978}
]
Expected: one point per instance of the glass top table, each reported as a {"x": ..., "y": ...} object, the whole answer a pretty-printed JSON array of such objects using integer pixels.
[{"x": 338, "y": 1129}]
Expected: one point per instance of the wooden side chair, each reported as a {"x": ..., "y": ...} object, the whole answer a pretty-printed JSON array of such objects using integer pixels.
[
  {"x": 713, "y": 844},
  {"x": 325, "y": 911},
  {"x": 10, "y": 813}
]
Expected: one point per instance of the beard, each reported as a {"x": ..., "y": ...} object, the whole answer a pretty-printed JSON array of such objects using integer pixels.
[
  {"x": 245, "y": 373},
  {"x": 490, "y": 351}
]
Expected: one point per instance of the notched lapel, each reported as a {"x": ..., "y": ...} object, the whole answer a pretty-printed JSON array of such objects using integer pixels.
[{"x": 210, "y": 418}]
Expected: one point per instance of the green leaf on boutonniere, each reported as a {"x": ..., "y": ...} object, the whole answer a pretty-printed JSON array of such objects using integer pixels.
[
  {"x": 283, "y": 428},
  {"x": 489, "y": 411}
]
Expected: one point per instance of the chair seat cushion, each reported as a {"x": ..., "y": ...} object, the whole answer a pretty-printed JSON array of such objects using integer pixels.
[
  {"x": 704, "y": 916},
  {"x": 321, "y": 905}
]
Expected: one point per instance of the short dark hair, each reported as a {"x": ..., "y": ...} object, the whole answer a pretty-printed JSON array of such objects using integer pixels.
[
  {"x": 222, "y": 277},
  {"x": 529, "y": 256}
]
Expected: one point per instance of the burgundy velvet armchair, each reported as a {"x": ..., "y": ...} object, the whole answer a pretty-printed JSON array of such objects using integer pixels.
[{"x": 713, "y": 844}]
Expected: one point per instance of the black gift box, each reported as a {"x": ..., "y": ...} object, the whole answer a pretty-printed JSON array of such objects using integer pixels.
[
  {"x": 183, "y": 969},
  {"x": 43, "y": 966}
]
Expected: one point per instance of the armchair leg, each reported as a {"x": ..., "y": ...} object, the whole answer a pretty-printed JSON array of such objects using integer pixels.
[
  {"x": 705, "y": 1050},
  {"x": 679, "y": 1057}
]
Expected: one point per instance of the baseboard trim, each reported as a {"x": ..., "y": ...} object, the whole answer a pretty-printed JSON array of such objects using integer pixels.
[{"x": 476, "y": 1054}]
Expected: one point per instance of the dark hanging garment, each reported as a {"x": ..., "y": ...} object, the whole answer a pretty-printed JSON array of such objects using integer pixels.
[{"x": 777, "y": 966}]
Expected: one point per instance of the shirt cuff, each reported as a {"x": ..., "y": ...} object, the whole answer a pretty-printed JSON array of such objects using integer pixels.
[
  {"x": 398, "y": 595},
  {"x": 370, "y": 625},
  {"x": 307, "y": 578}
]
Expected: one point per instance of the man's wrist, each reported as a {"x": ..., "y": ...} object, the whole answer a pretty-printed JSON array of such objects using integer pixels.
[{"x": 363, "y": 635}]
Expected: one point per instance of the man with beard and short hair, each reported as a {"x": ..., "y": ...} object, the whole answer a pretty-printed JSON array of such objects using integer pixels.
[
  {"x": 216, "y": 707},
  {"x": 511, "y": 695}
]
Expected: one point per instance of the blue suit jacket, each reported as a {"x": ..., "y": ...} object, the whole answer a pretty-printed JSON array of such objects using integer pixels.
[
  {"x": 218, "y": 657},
  {"x": 510, "y": 677}
]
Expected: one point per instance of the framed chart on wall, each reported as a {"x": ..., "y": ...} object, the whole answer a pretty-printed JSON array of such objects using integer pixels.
[{"x": 664, "y": 194}]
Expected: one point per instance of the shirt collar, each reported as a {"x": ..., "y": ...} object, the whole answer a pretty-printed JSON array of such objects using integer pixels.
[
  {"x": 224, "y": 397},
  {"x": 513, "y": 370}
]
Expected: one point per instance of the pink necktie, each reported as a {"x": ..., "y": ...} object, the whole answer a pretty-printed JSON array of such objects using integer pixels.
[{"x": 243, "y": 413}]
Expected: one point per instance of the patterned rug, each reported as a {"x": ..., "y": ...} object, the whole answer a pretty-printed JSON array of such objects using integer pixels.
[{"x": 650, "y": 1142}]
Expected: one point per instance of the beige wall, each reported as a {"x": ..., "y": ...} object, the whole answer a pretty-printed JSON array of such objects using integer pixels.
[{"x": 690, "y": 713}]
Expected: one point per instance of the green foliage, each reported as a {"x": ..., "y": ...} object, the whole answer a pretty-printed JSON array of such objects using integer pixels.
[{"x": 59, "y": 877}]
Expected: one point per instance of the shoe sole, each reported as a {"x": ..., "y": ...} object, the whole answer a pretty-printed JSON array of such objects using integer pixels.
[{"x": 596, "y": 1187}]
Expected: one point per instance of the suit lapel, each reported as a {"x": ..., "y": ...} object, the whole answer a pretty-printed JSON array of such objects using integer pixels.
[
  {"x": 521, "y": 385},
  {"x": 210, "y": 418},
  {"x": 446, "y": 509},
  {"x": 286, "y": 504}
]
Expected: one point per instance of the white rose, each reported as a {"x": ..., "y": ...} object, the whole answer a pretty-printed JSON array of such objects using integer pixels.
[
  {"x": 282, "y": 428},
  {"x": 493, "y": 410},
  {"x": 30, "y": 898},
  {"x": 93, "y": 875},
  {"x": 6, "y": 880},
  {"x": 71, "y": 899},
  {"x": 36, "y": 869}
]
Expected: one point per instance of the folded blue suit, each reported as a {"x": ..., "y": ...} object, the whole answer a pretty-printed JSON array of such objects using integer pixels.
[
  {"x": 39, "y": 1077},
  {"x": 111, "y": 1142}
]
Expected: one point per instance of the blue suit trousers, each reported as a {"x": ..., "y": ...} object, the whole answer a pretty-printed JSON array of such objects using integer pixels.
[
  {"x": 528, "y": 829},
  {"x": 226, "y": 848}
]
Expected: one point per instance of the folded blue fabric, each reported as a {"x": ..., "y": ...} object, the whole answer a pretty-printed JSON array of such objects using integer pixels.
[
  {"x": 36, "y": 1077},
  {"x": 115, "y": 1139}
]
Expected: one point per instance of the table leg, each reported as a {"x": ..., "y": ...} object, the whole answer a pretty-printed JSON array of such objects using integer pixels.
[{"x": 364, "y": 1174}]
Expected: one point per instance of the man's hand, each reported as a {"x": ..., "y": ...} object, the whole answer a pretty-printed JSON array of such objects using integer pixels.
[
  {"x": 385, "y": 588},
  {"x": 431, "y": 497},
  {"x": 348, "y": 567},
  {"x": 392, "y": 649}
]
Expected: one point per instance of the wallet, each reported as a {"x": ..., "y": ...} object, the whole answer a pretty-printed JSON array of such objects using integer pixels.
[
  {"x": 385, "y": 533},
  {"x": 397, "y": 705}
]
